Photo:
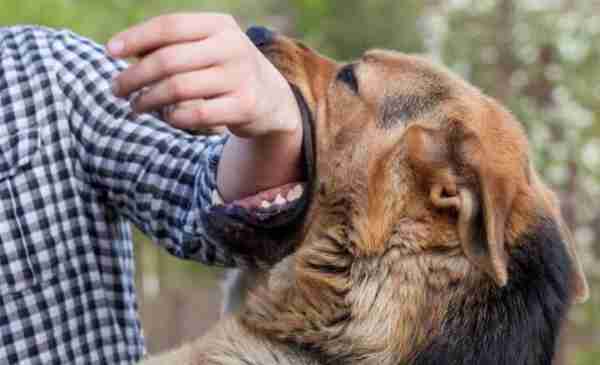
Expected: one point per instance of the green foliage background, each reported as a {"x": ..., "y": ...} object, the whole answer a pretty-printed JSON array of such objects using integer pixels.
[{"x": 539, "y": 57}]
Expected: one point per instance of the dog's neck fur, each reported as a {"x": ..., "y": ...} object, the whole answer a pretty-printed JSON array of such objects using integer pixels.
[
  {"x": 518, "y": 324},
  {"x": 515, "y": 325}
]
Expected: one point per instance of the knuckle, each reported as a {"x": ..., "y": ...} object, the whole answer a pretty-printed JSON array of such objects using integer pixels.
[
  {"x": 168, "y": 21},
  {"x": 237, "y": 41},
  {"x": 168, "y": 26},
  {"x": 231, "y": 35},
  {"x": 122, "y": 81},
  {"x": 248, "y": 105},
  {"x": 228, "y": 20},
  {"x": 176, "y": 90},
  {"x": 163, "y": 62},
  {"x": 188, "y": 115},
  {"x": 198, "y": 113}
]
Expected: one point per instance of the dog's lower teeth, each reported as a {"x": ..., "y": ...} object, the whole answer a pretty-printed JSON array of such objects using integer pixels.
[
  {"x": 280, "y": 200},
  {"x": 216, "y": 198},
  {"x": 265, "y": 204},
  {"x": 295, "y": 193}
]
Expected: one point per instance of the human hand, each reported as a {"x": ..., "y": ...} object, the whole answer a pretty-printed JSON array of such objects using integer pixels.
[{"x": 205, "y": 72}]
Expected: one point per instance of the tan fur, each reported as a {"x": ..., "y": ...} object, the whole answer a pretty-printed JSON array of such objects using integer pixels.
[{"x": 371, "y": 279}]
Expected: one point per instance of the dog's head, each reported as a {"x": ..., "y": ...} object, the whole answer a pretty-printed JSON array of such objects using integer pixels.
[{"x": 419, "y": 175}]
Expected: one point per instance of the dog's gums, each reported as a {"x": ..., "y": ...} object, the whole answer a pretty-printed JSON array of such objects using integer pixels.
[{"x": 265, "y": 204}]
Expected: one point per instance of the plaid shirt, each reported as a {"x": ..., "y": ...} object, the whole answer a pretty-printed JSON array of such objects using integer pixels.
[{"x": 76, "y": 165}]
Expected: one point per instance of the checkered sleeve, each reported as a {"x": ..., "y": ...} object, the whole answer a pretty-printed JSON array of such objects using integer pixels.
[{"x": 162, "y": 179}]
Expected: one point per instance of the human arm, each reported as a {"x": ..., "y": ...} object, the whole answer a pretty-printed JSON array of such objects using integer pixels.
[
  {"x": 161, "y": 178},
  {"x": 208, "y": 73}
]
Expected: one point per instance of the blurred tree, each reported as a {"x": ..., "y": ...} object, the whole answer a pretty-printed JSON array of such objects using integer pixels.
[
  {"x": 98, "y": 19},
  {"x": 343, "y": 29}
]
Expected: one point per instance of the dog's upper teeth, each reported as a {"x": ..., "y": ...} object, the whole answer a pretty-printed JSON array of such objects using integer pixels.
[
  {"x": 295, "y": 193},
  {"x": 265, "y": 204},
  {"x": 216, "y": 198},
  {"x": 280, "y": 200}
]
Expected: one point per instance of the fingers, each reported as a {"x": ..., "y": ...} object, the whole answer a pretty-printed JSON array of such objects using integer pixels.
[
  {"x": 168, "y": 29},
  {"x": 223, "y": 110},
  {"x": 169, "y": 61},
  {"x": 201, "y": 70},
  {"x": 204, "y": 83}
]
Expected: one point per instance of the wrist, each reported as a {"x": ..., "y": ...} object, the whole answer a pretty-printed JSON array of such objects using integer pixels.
[
  {"x": 257, "y": 161},
  {"x": 287, "y": 117},
  {"x": 253, "y": 164}
]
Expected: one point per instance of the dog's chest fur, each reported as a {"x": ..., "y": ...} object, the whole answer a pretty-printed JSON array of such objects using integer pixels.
[{"x": 383, "y": 320}]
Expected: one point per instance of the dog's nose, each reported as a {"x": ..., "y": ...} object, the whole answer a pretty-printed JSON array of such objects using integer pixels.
[{"x": 260, "y": 36}]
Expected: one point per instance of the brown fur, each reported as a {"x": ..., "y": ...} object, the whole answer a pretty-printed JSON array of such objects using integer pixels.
[{"x": 407, "y": 170}]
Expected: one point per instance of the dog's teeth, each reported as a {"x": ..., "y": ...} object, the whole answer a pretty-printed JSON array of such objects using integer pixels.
[
  {"x": 216, "y": 198},
  {"x": 265, "y": 204},
  {"x": 295, "y": 193},
  {"x": 280, "y": 200}
]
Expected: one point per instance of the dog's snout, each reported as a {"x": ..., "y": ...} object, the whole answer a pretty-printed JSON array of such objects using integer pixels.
[{"x": 260, "y": 36}]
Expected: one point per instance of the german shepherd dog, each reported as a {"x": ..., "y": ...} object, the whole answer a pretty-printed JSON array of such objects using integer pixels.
[{"x": 426, "y": 236}]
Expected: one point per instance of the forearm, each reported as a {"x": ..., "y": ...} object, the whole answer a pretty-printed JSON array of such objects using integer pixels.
[{"x": 249, "y": 166}]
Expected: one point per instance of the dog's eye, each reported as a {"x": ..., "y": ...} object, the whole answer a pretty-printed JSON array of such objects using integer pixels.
[{"x": 347, "y": 76}]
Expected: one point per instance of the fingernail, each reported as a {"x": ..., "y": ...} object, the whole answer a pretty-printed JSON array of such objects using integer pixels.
[
  {"x": 135, "y": 103},
  {"x": 179, "y": 114},
  {"x": 115, "y": 87},
  {"x": 168, "y": 110},
  {"x": 116, "y": 47}
]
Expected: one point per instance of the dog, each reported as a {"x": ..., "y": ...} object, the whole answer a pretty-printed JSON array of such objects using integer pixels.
[{"x": 427, "y": 236}]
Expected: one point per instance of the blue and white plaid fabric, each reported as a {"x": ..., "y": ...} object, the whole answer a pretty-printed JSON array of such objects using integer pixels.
[{"x": 76, "y": 165}]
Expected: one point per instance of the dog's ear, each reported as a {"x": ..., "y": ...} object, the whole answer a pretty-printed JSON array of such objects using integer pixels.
[
  {"x": 581, "y": 290},
  {"x": 481, "y": 195}
]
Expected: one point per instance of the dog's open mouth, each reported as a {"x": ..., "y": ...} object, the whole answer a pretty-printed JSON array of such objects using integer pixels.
[
  {"x": 283, "y": 205},
  {"x": 264, "y": 206}
]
